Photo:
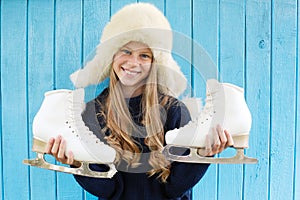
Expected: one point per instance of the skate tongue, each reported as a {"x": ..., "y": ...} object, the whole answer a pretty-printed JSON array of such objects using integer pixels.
[{"x": 212, "y": 85}]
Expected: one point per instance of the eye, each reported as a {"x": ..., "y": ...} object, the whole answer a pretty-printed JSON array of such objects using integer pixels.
[
  {"x": 146, "y": 56},
  {"x": 126, "y": 51}
]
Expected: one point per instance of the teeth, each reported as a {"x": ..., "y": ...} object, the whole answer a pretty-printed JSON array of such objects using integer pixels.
[{"x": 130, "y": 72}]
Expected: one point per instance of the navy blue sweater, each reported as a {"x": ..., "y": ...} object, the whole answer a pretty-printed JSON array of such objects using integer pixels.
[{"x": 131, "y": 185}]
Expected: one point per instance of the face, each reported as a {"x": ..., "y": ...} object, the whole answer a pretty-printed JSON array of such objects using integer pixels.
[{"x": 132, "y": 64}]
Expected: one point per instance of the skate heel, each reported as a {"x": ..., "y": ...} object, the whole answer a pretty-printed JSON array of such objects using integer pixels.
[
  {"x": 241, "y": 141},
  {"x": 39, "y": 146}
]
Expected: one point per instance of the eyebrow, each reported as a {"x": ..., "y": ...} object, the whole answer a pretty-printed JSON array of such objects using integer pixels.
[{"x": 142, "y": 49}]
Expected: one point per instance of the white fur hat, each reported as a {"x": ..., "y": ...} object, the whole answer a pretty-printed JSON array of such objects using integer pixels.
[{"x": 140, "y": 22}]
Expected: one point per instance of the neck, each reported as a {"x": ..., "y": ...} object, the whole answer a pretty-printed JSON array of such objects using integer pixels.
[{"x": 130, "y": 92}]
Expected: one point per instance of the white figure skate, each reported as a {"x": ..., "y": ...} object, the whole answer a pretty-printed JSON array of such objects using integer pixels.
[
  {"x": 60, "y": 113},
  {"x": 225, "y": 105}
]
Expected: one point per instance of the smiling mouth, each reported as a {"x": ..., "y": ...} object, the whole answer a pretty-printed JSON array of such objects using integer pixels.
[{"x": 129, "y": 72}]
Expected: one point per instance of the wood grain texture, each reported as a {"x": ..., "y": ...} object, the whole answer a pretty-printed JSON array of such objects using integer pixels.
[
  {"x": 68, "y": 57},
  {"x": 182, "y": 35},
  {"x": 205, "y": 34},
  {"x": 258, "y": 79},
  {"x": 40, "y": 80},
  {"x": 14, "y": 99},
  {"x": 251, "y": 43},
  {"x": 283, "y": 98},
  {"x": 231, "y": 65},
  {"x": 297, "y": 114}
]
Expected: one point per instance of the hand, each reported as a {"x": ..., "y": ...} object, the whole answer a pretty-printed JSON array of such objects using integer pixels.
[
  {"x": 221, "y": 140},
  {"x": 57, "y": 148}
]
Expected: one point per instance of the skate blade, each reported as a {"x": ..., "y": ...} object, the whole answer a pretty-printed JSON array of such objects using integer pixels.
[
  {"x": 194, "y": 157},
  {"x": 83, "y": 170}
]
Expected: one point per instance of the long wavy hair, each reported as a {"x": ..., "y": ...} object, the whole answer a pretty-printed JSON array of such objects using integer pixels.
[{"x": 122, "y": 127}]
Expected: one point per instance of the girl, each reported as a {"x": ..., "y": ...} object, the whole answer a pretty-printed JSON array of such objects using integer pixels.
[{"x": 136, "y": 110}]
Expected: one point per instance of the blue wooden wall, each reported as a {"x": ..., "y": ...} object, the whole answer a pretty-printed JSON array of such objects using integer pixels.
[{"x": 254, "y": 44}]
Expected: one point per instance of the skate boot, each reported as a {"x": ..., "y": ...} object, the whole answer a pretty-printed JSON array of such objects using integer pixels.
[
  {"x": 60, "y": 113},
  {"x": 225, "y": 105}
]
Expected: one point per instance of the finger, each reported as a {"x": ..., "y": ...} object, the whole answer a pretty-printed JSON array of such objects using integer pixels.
[
  {"x": 55, "y": 146},
  {"x": 70, "y": 158},
  {"x": 205, "y": 151},
  {"x": 230, "y": 141},
  {"x": 208, "y": 147},
  {"x": 222, "y": 138},
  {"x": 222, "y": 135},
  {"x": 49, "y": 145},
  {"x": 61, "y": 151},
  {"x": 217, "y": 142}
]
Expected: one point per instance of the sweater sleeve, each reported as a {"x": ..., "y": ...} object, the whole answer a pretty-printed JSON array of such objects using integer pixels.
[{"x": 183, "y": 176}]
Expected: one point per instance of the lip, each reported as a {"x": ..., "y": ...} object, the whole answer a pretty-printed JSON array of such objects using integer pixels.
[{"x": 130, "y": 72}]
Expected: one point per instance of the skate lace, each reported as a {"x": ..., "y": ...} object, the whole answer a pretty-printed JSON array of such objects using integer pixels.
[
  {"x": 76, "y": 123},
  {"x": 208, "y": 110}
]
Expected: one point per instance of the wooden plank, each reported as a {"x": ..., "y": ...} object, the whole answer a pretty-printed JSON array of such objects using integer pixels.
[
  {"x": 182, "y": 36},
  {"x": 117, "y": 5},
  {"x": 1, "y": 159},
  {"x": 96, "y": 15},
  {"x": 284, "y": 15},
  {"x": 158, "y": 3},
  {"x": 297, "y": 113},
  {"x": 68, "y": 58},
  {"x": 40, "y": 80},
  {"x": 14, "y": 99},
  {"x": 232, "y": 49},
  {"x": 205, "y": 47},
  {"x": 258, "y": 56}
]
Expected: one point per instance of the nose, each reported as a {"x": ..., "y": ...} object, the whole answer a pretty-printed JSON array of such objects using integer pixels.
[{"x": 133, "y": 60}]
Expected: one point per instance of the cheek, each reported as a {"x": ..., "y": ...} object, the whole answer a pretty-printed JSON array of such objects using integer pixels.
[
  {"x": 147, "y": 68},
  {"x": 117, "y": 59},
  {"x": 116, "y": 63},
  {"x": 116, "y": 69},
  {"x": 113, "y": 66}
]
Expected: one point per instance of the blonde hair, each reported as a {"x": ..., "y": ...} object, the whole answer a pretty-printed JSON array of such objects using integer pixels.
[{"x": 120, "y": 123}]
